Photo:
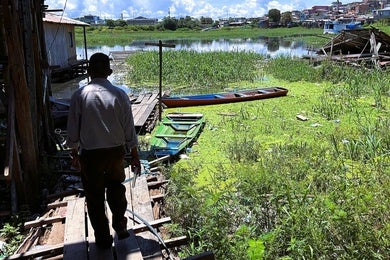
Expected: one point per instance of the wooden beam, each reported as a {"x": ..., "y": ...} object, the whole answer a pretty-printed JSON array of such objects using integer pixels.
[
  {"x": 203, "y": 256},
  {"x": 57, "y": 204},
  {"x": 51, "y": 250},
  {"x": 156, "y": 184},
  {"x": 65, "y": 194},
  {"x": 176, "y": 241},
  {"x": 142, "y": 227},
  {"x": 44, "y": 221},
  {"x": 158, "y": 197},
  {"x": 159, "y": 160}
]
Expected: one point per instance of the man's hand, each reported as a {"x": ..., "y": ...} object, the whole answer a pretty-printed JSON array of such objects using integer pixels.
[{"x": 75, "y": 164}]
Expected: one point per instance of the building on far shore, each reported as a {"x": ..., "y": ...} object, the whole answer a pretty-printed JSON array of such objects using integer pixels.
[{"x": 142, "y": 21}]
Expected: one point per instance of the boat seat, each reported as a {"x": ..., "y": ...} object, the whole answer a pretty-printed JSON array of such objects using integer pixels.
[
  {"x": 181, "y": 123},
  {"x": 218, "y": 96},
  {"x": 240, "y": 95},
  {"x": 172, "y": 136}
]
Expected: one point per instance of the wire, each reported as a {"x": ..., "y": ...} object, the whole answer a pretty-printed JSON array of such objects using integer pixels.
[
  {"x": 153, "y": 231},
  {"x": 58, "y": 26}
]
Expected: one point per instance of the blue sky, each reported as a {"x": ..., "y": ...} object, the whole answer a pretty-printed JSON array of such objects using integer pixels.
[{"x": 216, "y": 9}]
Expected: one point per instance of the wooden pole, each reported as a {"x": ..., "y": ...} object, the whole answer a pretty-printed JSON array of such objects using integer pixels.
[
  {"x": 160, "y": 45},
  {"x": 85, "y": 43},
  {"x": 12, "y": 15}
]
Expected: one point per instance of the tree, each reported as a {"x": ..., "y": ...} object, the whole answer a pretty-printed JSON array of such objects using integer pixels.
[
  {"x": 110, "y": 23},
  {"x": 120, "y": 22},
  {"x": 274, "y": 15},
  {"x": 170, "y": 23},
  {"x": 286, "y": 18}
]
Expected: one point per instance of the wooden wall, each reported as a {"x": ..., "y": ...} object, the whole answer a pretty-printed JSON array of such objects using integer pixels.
[
  {"x": 60, "y": 42},
  {"x": 26, "y": 84}
]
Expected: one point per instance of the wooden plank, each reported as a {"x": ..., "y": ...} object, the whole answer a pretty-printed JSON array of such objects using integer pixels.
[
  {"x": 75, "y": 246},
  {"x": 154, "y": 96},
  {"x": 57, "y": 204},
  {"x": 156, "y": 223},
  {"x": 148, "y": 242},
  {"x": 51, "y": 250},
  {"x": 176, "y": 241},
  {"x": 143, "y": 111},
  {"x": 64, "y": 194},
  {"x": 158, "y": 197},
  {"x": 156, "y": 184},
  {"x": 95, "y": 252},
  {"x": 44, "y": 221},
  {"x": 202, "y": 256},
  {"x": 146, "y": 113},
  {"x": 159, "y": 160},
  {"x": 128, "y": 248}
]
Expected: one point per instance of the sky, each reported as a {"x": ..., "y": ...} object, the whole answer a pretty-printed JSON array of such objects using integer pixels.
[{"x": 216, "y": 9}]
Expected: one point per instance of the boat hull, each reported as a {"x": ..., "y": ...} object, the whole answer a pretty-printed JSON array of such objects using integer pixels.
[
  {"x": 175, "y": 133},
  {"x": 223, "y": 98}
]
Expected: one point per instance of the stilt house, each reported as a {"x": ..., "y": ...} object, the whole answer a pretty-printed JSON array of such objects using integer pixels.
[{"x": 61, "y": 46}]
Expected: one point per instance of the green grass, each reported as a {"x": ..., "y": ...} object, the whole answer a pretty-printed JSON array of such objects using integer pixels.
[{"x": 261, "y": 183}]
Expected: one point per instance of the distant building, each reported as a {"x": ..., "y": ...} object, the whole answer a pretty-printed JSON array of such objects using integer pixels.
[
  {"x": 382, "y": 13},
  {"x": 142, "y": 21},
  {"x": 91, "y": 19}
]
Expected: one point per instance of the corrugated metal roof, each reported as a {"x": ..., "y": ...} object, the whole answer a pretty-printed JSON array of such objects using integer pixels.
[
  {"x": 52, "y": 18},
  {"x": 357, "y": 41}
]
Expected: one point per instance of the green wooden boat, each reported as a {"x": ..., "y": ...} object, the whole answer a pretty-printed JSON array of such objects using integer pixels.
[{"x": 176, "y": 132}]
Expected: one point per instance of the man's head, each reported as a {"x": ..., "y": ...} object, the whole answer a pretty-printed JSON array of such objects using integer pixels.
[{"x": 99, "y": 66}]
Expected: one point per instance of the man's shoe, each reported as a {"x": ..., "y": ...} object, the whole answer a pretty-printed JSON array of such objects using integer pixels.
[
  {"x": 122, "y": 234},
  {"x": 104, "y": 243},
  {"x": 120, "y": 228}
]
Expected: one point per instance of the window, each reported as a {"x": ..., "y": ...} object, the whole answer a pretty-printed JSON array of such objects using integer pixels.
[{"x": 71, "y": 39}]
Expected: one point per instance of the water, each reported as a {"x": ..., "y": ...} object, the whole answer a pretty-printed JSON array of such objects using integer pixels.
[{"x": 268, "y": 46}]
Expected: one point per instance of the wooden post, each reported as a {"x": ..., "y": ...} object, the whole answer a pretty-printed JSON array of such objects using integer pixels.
[
  {"x": 12, "y": 15},
  {"x": 160, "y": 45},
  {"x": 85, "y": 43}
]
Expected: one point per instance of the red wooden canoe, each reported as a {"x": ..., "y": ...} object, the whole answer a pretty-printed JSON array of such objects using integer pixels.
[{"x": 223, "y": 98}]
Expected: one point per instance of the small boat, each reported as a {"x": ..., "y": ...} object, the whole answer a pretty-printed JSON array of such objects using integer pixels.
[
  {"x": 175, "y": 133},
  {"x": 223, "y": 98},
  {"x": 341, "y": 24},
  {"x": 59, "y": 109}
]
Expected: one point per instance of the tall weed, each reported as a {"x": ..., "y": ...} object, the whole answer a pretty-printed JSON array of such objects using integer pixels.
[{"x": 193, "y": 72}]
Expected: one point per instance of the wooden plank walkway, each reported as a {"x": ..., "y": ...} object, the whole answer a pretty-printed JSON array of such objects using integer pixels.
[
  {"x": 65, "y": 232},
  {"x": 145, "y": 112},
  {"x": 120, "y": 55},
  {"x": 79, "y": 240}
]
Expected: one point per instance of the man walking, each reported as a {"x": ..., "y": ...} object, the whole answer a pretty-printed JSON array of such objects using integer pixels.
[{"x": 101, "y": 124}]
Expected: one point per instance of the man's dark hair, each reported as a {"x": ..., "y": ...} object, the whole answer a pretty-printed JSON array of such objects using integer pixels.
[{"x": 99, "y": 63}]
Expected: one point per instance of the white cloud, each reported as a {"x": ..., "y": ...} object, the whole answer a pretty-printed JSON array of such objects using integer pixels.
[{"x": 179, "y": 8}]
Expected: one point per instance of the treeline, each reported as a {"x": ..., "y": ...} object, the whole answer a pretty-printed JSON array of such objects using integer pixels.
[
  {"x": 168, "y": 23},
  {"x": 274, "y": 17}
]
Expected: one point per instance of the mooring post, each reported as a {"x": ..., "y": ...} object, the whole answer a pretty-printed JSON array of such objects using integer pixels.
[{"x": 160, "y": 45}]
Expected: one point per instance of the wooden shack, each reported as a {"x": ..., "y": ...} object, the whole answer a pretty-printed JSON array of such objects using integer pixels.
[
  {"x": 61, "y": 46},
  {"x": 367, "y": 46}
]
